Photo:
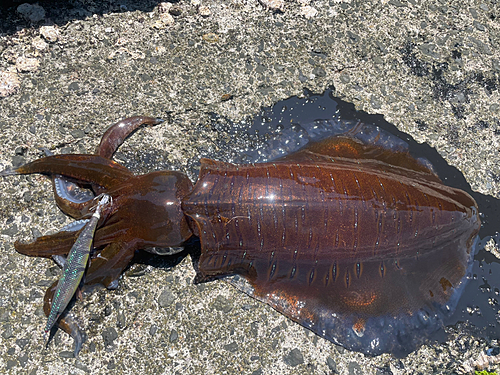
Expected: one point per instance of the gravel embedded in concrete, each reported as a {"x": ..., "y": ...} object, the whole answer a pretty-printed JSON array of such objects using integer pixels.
[{"x": 430, "y": 67}]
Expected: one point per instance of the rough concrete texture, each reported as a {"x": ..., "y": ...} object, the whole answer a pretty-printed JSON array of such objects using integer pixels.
[{"x": 429, "y": 66}]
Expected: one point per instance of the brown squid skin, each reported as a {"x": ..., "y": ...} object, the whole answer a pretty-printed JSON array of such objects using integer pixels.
[
  {"x": 338, "y": 228},
  {"x": 323, "y": 229},
  {"x": 145, "y": 212},
  {"x": 82, "y": 168},
  {"x": 320, "y": 234},
  {"x": 116, "y": 134}
]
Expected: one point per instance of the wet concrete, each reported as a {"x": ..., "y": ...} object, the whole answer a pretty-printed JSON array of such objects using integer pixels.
[{"x": 430, "y": 67}]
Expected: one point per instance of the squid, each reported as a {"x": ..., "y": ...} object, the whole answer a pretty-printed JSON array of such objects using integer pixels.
[{"x": 359, "y": 242}]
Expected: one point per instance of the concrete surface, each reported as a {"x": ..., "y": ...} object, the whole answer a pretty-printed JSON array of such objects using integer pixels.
[{"x": 430, "y": 67}]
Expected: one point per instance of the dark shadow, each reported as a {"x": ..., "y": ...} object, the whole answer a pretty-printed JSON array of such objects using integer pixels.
[
  {"x": 59, "y": 12},
  {"x": 144, "y": 258}
]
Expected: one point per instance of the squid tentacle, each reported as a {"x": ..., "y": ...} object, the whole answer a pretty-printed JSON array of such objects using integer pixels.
[
  {"x": 117, "y": 133},
  {"x": 45, "y": 246},
  {"x": 54, "y": 244},
  {"x": 83, "y": 168},
  {"x": 106, "y": 268},
  {"x": 70, "y": 197}
]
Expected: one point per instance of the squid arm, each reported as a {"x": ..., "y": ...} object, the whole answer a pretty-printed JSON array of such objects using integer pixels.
[{"x": 70, "y": 197}]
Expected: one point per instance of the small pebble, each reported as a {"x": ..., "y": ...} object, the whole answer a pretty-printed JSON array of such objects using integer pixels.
[
  {"x": 222, "y": 304},
  {"x": 211, "y": 38},
  {"x": 375, "y": 102},
  {"x": 479, "y": 26},
  {"x": 308, "y": 11},
  {"x": 9, "y": 83},
  {"x": 274, "y": 4},
  {"x": 319, "y": 72},
  {"x": 109, "y": 335},
  {"x": 175, "y": 11},
  {"x": 153, "y": 329},
  {"x": 121, "y": 320},
  {"x": 173, "y": 336},
  {"x": 204, "y": 11},
  {"x": 39, "y": 43},
  {"x": 166, "y": 298},
  {"x": 77, "y": 133},
  {"x": 345, "y": 78},
  {"x": 66, "y": 354},
  {"x": 27, "y": 64},
  {"x": 294, "y": 358},
  {"x": 232, "y": 347},
  {"x": 165, "y": 20},
  {"x": 50, "y": 33},
  {"x": 332, "y": 365},
  {"x": 8, "y": 331},
  {"x": 12, "y": 230},
  {"x": 73, "y": 86},
  {"x": 23, "y": 359}
]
